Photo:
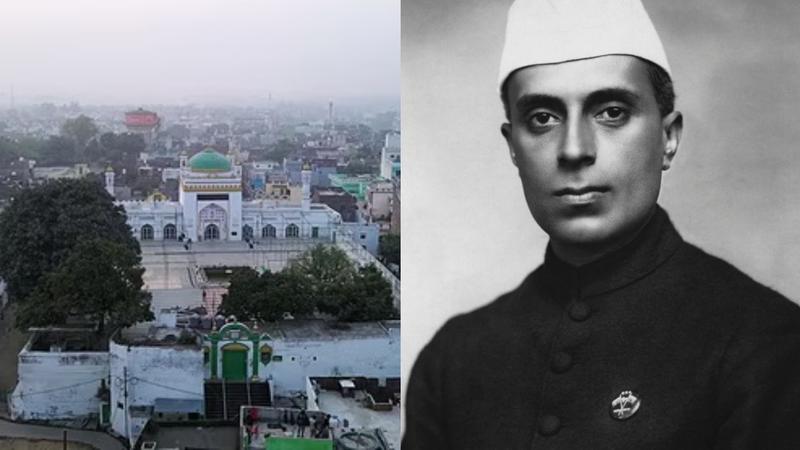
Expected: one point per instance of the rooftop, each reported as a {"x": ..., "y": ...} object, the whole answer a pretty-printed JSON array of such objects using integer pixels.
[
  {"x": 148, "y": 335},
  {"x": 66, "y": 340},
  {"x": 314, "y": 330}
]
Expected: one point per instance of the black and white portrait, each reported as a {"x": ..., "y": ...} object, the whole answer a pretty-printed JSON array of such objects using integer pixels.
[{"x": 601, "y": 220}]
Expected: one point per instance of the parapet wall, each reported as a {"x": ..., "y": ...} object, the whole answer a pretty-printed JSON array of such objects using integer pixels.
[{"x": 58, "y": 385}]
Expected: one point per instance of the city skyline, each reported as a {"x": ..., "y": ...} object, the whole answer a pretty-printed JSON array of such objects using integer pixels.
[{"x": 147, "y": 52}]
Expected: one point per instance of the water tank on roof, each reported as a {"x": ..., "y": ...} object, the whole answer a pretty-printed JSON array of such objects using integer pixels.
[{"x": 358, "y": 440}]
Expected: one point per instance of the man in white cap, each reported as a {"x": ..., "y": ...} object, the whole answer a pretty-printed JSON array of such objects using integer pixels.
[{"x": 626, "y": 336}]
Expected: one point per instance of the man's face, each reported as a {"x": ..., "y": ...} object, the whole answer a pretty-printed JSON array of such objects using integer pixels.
[{"x": 589, "y": 142}]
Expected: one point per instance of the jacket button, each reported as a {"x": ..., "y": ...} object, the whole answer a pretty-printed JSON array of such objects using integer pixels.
[
  {"x": 562, "y": 361},
  {"x": 579, "y": 311},
  {"x": 549, "y": 425}
]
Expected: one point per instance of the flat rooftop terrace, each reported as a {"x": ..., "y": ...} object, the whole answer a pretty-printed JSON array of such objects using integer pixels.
[
  {"x": 314, "y": 330},
  {"x": 359, "y": 416},
  {"x": 168, "y": 265}
]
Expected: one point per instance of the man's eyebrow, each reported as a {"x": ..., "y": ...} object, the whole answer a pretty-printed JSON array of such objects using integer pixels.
[
  {"x": 613, "y": 94},
  {"x": 531, "y": 101}
]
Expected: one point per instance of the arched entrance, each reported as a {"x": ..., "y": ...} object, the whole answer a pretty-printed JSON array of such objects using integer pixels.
[
  {"x": 215, "y": 215},
  {"x": 170, "y": 232},
  {"x": 234, "y": 362},
  {"x": 211, "y": 233},
  {"x": 146, "y": 233},
  {"x": 247, "y": 232}
]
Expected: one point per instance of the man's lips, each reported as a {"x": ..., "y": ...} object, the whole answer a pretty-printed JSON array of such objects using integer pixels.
[
  {"x": 580, "y": 190},
  {"x": 581, "y": 195}
]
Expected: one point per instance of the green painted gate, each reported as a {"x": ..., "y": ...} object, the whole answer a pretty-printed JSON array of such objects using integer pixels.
[{"x": 234, "y": 362}]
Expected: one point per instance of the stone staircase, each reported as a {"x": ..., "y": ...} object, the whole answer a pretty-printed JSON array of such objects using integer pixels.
[{"x": 224, "y": 398}]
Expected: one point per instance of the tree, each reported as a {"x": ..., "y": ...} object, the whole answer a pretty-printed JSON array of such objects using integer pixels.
[
  {"x": 322, "y": 280},
  {"x": 371, "y": 298},
  {"x": 281, "y": 150},
  {"x": 265, "y": 297},
  {"x": 58, "y": 150},
  {"x": 338, "y": 288},
  {"x": 240, "y": 300},
  {"x": 79, "y": 130},
  {"x": 122, "y": 149},
  {"x": 389, "y": 248},
  {"x": 43, "y": 224},
  {"x": 100, "y": 280},
  {"x": 327, "y": 275}
]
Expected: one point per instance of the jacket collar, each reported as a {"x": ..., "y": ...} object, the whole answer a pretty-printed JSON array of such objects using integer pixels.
[{"x": 653, "y": 246}]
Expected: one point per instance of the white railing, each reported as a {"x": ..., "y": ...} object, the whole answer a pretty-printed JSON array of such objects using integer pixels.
[{"x": 346, "y": 242}]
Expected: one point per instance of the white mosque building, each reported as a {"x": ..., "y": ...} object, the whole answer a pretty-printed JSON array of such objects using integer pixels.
[{"x": 210, "y": 207}]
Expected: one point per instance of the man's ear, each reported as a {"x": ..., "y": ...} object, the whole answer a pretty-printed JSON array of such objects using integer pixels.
[
  {"x": 673, "y": 127},
  {"x": 505, "y": 129}
]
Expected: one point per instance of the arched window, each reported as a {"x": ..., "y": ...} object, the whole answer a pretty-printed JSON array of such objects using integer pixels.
[
  {"x": 170, "y": 232},
  {"x": 292, "y": 231},
  {"x": 146, "y": 233},
  {"x": 268, "y": 232},
  {"x": 211, "y": 233},
  {"x": 247, "y": 232}
]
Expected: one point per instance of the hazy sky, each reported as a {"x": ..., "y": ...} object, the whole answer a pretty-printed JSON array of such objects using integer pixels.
[{"x": 176, "y": 51}]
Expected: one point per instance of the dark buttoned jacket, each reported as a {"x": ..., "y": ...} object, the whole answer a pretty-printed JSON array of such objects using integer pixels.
[{"x": 711, "y": 357}]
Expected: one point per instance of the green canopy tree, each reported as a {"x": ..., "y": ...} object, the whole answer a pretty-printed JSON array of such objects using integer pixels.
[
  {"x": 43, "y": 224},
  {"x": 265, "y": 297},
  {"x": 79, "y": 130},
  {"x": 322, "y": 280},
  {"x": 100, "y": 280},
  {"x": 371, "y": 298},
  {"x": 389, "y": 248},
  {"x": 58, "y": 150},
  {"x": 240, "y": 300},
  {"x": 327, "y": 275}
]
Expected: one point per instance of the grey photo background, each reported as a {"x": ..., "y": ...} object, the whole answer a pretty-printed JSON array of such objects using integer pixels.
[{"x": 733, "y": 189}]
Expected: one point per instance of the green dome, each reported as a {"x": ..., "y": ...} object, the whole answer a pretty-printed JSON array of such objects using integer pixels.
[{"x": 209, "y": 160}]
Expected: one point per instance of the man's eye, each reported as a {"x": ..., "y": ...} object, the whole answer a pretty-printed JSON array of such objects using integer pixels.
[
  {"x": 543, "y": 119},
  {"x": 613, "y": 114}
]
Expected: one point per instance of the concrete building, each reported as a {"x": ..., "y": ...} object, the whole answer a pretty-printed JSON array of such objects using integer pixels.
[
  {"x": 321, "y": 170},
  {"x": 395, "y": 224},
  {"x": 60, "y": 375},
  {"x": 390, "y": 156},
  {"x": 155, "y": 371},
  {"x": 60, "y": 172},
  {"x": 379, "y": 201},
  {"x": 153, "y": 367},
  {"x": 356, "y": 185},
  {"x": 339, "y": 200},
  {"x": 210, "y": 207},
  {"x": 145, "y": 123},
  {"x": 365, "y": 234}
]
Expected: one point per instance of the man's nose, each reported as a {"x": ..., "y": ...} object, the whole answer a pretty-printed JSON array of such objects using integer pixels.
[{"x": 577, "y": 148}]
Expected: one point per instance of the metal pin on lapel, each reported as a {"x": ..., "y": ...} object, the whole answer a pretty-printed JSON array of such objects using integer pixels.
[{"x": 625, "y": 405}]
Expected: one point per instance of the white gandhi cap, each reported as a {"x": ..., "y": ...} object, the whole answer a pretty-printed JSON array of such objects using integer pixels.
[{"x": 554, "y": 31}]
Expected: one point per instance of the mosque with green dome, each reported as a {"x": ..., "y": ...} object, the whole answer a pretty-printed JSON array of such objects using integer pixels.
[{"x": 210, "y": 207}]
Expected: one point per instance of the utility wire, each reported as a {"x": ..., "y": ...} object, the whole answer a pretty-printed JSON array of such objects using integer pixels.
[
  {"x": 21, "y": 394},
  {"x": 165, "y": 387}
]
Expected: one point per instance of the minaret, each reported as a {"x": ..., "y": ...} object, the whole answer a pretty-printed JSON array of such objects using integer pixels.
[
  {"x": 110, "y": 180},
  {"x": 183, "y": 159},
  {"x": 305, "y": 177},
  {"x": 330, "y": 112}
]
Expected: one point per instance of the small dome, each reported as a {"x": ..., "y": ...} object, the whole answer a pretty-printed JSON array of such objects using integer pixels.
[{"x": 209, "y": 160}]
